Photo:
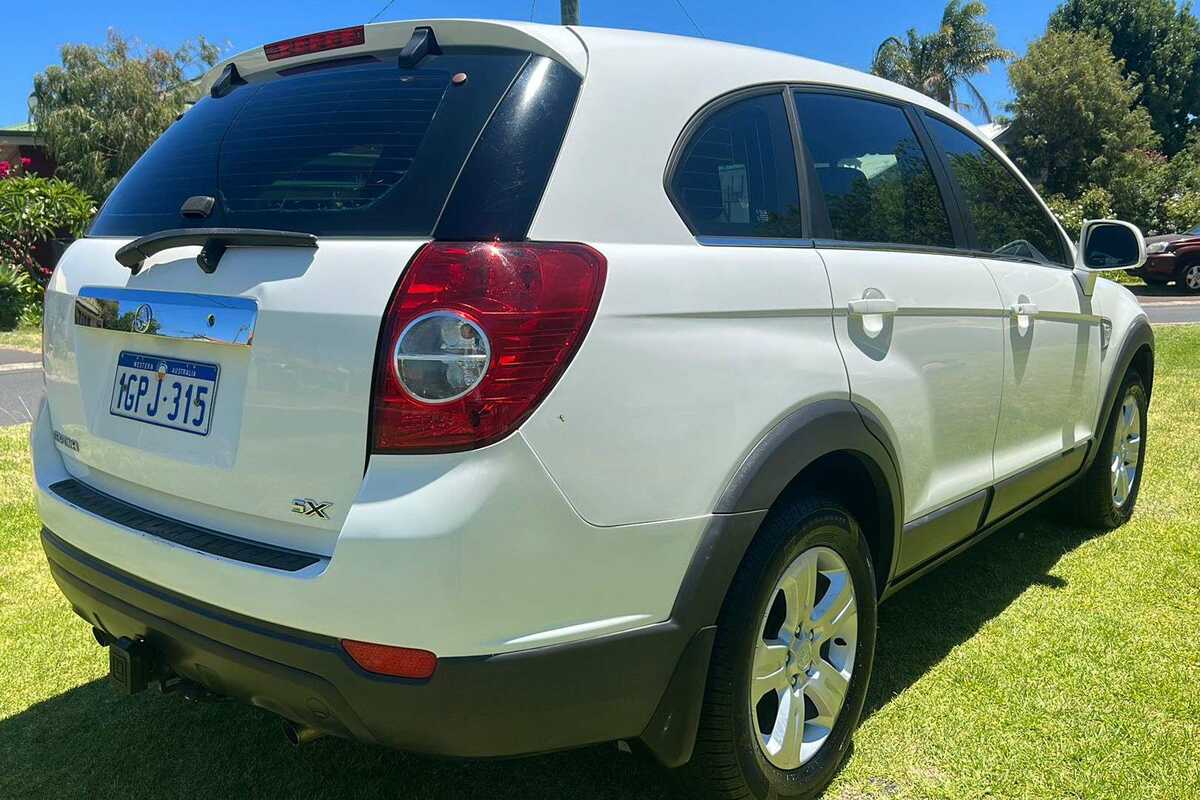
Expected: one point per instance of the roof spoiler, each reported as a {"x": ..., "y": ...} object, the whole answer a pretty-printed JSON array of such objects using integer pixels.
[{"x": 553, "y": 41}]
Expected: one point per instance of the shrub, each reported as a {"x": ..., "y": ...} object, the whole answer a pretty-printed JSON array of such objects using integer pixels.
[
  {"x": 1183, "y": 212},
  {"x": 33, "y": 210},
  {"x": 1094, "y": 203},
  {"x": 20, "y": 299}
]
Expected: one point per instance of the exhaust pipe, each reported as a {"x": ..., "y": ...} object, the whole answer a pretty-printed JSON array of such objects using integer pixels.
[{"x": 300, "y": 734}]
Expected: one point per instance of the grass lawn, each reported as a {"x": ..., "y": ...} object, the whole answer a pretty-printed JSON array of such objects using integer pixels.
[
  {"x": 1046, "y": 663},
  {"x": 22, "y": 339}
]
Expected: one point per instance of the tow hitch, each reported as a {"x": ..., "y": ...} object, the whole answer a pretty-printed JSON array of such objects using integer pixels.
[{"x": 131, "y": 664}]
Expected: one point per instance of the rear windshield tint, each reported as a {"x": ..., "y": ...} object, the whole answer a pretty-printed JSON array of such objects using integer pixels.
[{"x": 352, "y": 148}]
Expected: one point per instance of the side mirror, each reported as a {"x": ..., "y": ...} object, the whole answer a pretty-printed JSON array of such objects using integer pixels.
[{"x": 1109, "y": 244}]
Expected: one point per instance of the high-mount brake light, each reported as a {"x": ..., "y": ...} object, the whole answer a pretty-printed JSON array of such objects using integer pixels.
[
  {"x": 475, "y": 337},
  {"x": 316, "y": 43}
]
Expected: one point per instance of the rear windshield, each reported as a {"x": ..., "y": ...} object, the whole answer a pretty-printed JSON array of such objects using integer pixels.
[{"x": 357, "y": 147}]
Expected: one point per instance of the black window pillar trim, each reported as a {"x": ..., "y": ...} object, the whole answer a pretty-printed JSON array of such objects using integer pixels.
[
  {"x": 938, "y": 154},
  {"x": 964, "y": 237},
  {"x": 804, "y": 186},
  {"x": 479, "y": 135},
  {"x": 821, "y": 228}
]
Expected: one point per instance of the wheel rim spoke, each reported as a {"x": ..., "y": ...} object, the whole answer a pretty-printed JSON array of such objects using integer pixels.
[
  {"x": 837, "y": 604},
  {"x": 770, "y": 661},
  {"x": 827, "y": 690},
  {"x": 790, "y": 726},
  {"x": 799, "y": 587}
]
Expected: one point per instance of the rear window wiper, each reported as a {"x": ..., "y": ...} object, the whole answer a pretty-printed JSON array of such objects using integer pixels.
[{"x": 213, "y": 242}]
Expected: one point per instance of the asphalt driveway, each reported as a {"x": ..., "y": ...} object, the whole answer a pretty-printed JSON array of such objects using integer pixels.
[
  {"x": 20, "y": 385},
  {"x": 1166, "y": 305}
]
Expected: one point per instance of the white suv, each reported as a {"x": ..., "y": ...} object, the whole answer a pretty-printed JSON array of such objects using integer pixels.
[{"x": 481, "y": 389}]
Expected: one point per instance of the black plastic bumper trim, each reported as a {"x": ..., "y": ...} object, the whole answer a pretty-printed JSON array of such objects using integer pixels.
[
  {"x": 551, "y": 698},
  {"x": 181, "y": 533}
]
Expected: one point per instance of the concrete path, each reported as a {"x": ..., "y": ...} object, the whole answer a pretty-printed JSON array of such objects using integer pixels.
[{"x": 20, "y": 385}]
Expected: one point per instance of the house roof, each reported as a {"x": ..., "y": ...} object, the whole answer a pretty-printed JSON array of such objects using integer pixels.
[
  {"x": 996, "y": 131},
  {"x": 23, "y": 133}
]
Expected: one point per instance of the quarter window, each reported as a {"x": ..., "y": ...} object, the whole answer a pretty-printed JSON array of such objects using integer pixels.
[
  {"x": 1008, "y": 220},
  {"x": 737, "y": 173},
  {"x": 874, "y": 175}
]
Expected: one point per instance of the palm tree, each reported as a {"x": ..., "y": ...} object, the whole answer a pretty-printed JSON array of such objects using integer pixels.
[
  {"x": 941, "y": 64},
  {"x": 570, "y": 12}
]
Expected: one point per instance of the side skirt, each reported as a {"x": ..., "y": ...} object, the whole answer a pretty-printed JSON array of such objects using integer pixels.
[{"x": 1005, "y": 501}]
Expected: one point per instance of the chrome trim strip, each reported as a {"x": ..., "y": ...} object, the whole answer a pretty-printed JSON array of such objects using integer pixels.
[
  {"x": 751, "y": 241},
  {"x": 172, "y": 315},
  {"x": 1069, "y": 316},
  {"x": 948, "y": 311},
  {"x": 1002, "y": 313},
  {"x": 921, "y": 311}
]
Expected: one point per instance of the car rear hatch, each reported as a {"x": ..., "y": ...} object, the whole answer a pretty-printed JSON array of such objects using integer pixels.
[{"x": 210, "y": 345}]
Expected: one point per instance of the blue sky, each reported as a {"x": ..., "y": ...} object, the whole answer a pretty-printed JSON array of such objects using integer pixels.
[{"x": 841, "y": 32}]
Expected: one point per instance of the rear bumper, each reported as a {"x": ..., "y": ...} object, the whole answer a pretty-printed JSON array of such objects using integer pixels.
[
  {"x": 509, "y": 704},
  {"x": 463, "y": 554}
]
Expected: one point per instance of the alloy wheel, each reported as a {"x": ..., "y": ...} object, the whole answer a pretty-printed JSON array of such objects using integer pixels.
[
  {"x": 1191, "y": 278},
  {"x": 1126, "y": 449},
  {"x": 803, "y": 658}
]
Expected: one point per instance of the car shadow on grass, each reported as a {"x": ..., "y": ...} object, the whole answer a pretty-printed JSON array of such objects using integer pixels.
[
  {"x": 92, "y": 742},
  {"x": 919, "y": 625}
]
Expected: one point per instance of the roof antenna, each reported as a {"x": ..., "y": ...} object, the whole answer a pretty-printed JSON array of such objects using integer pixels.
[{"x": 683, "y": 8}]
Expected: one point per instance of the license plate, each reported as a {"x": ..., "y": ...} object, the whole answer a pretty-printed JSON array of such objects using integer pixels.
[{"x": 168, "y": 392}]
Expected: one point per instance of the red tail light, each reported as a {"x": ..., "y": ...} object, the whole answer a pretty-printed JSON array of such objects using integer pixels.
[
  {"x": 488, "y": 328},
  {"x": 399, "y": 662},
  {"x": 315, "y": 43}
]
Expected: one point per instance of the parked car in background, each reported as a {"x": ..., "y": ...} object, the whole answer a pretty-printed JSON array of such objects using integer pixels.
[
  {"x": 482, "y": 389},
  {"x": 1172, "y": 257}
]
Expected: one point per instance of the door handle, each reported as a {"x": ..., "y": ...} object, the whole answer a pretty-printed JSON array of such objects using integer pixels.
[
  {"x": 872, "y": 305},
  {"x": 1029, "y": 310}
]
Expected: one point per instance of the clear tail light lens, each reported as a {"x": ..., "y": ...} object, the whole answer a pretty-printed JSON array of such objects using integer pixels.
[
  {"x": 441, "y": 356},
  {"x": 475, "y": 337}
]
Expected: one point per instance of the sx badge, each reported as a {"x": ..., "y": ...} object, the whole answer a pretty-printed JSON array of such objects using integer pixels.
[{"x": 311, "y": 508}]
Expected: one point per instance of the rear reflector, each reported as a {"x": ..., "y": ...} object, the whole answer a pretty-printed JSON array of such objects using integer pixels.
[
  {"x": 398, "y": 662},
  {"x": 315, "y": 43},
  {"x": 521, "y": 307}
]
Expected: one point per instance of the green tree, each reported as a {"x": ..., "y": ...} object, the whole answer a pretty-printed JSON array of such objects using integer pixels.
[
  {"x": 1159, "y": 43},
  {"x": 1180, "y": 207},
  {"x": 101, "y": 109},
  {"x": 1075, "y": 118},
  {"x": 941, "y": 64}
]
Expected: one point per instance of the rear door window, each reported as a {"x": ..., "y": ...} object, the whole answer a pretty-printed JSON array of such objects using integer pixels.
[
  {"x": 353, "y": 147},
  {"x": 736, "y": 175},
  {"x": 1008, "y": 220},
  {"x": 874, "y": 175}
]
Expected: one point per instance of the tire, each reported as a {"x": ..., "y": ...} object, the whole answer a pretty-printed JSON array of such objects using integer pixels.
[
  {"x": 1098, "y": 502},
  {"x": 729, "y": 761},
  {"x": 1188, "y": 278}
]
